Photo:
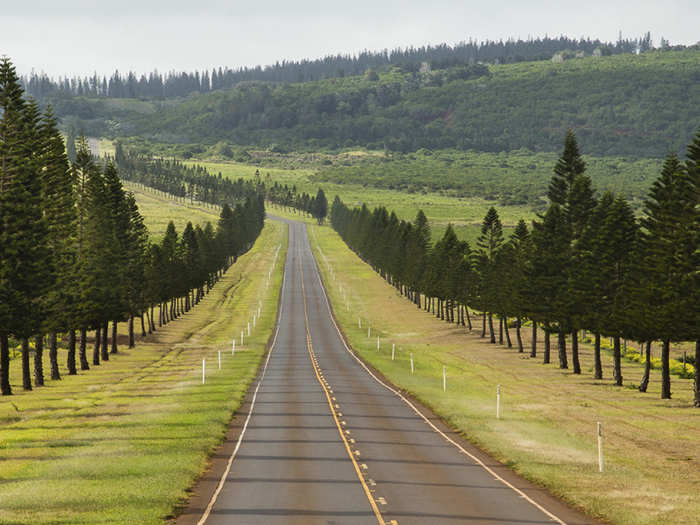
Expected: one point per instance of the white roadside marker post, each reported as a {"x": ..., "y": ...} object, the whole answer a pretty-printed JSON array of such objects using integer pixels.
[
  {"x": 204, "y": 370},
  {"x": 411, "y": 364},
  {"x": 254, "y": 320},
  {"x": 444, "y": 378},
  {"x": 600, "y": 447},
  {"x": 369, "y": 331},
  {"x": 393, "y": 349},
  {"x": 241, "y": 337},
  {"x": 248, "y": 328},
  {"x": 233, "y": 347},
  {"x": 498, "y": 402},
  {"x": 359, "y": 322},
  {"x": 219, "y": 359},
  {"x": 377, "y": 343}
]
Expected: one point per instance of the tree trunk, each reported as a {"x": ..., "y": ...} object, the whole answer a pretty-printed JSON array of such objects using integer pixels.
[
  {"x": 5, "y": 387},
  {"x": 517, "y": 335},
  {"x": 500, "y": 330},
  {"x": 533, "y": 342},
  {"x": 574, "y": 352},
  {"x": 26, "y": 374},
  {"x": 547, "y": 358},
  {"x": 82, "y": 352},
  {"x": 96, "y": 349},
  {"x": 561, "y": 345},
  {"x": 493, "y": 334},
  {"x": 143, "y": 326},
  {"x": 598, "y": 363},
  {"x": 665, "y": 370},
  {"x": 505, "y": 327},
  {"x": 70, "y": 360},
  {"x": 131, "y": 331},
  {"x": 151, "y": 323},
  {"x": 53, "y": 356},
  {"x": 39, "y": 360},
  {"x": 105, "y": 334},
  {"x": 647, "y": 367},
  {"x": 697, "y": 373},
  {"x": 483, "y": 324},
  {"x": 469, "y": 319},
  {"x": 617, "y": 361},
  {"x": 115, "y": 343}
]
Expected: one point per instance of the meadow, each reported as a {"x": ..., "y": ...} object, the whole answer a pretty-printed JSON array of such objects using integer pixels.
[
  {"x": 464, "y": 213},
  {"x": 547, "y": 429},
  {"x": 124, "y": 442},
  {"x": 157, "y": 211}
]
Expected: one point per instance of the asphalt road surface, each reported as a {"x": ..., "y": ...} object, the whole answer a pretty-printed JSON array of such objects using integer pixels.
[{"x": 326, "y": 442}]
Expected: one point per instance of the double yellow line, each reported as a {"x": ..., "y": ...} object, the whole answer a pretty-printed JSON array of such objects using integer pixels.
[{"x": 326, "y": 390}]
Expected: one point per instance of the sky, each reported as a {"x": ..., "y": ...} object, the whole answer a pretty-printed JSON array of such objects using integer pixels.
[{"x": 85, "y": 36}]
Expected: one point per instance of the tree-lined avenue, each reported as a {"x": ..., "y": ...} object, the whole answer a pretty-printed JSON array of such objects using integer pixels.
[{"x": 326, "y": 442}]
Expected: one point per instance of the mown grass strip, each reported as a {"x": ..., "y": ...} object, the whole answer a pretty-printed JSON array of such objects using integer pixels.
[
  {"x": 547, "y": 430},
  {"x": 123, "y": 442}
]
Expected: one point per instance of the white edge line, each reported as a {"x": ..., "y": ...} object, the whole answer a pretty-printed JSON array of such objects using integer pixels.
[
  {"x": 430, "y": 423},
  {"x": 220, "y": 486}
]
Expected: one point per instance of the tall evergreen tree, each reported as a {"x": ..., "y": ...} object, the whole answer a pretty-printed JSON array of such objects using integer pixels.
[
  {"x": 669, "y": 242},
  {"x": 320, "y": 207},
  {"x": 489, "y": 243},
  {"x": 23, "y": 232}
]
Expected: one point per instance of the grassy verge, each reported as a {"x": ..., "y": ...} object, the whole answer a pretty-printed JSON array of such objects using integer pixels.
[
  {"x": 549, "y": 416},
  {"x": 123, "y": 442}
]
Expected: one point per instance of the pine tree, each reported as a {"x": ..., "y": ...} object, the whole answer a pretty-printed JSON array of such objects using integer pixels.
[
  {"x": 23, "y": 233},
  {"x": 548, "y": 277},
  {"x": 692, "y": 280},
  {"x": 489, "y": 243},
  {"x": 571, "y": 190},
  {"x": 520, "y": 245},
  {"x": 669, "y": 242},
  {"x": 59, "y": 210},
  {"x": 320, "y": 207},
  {"x": 614, "y": 249}
]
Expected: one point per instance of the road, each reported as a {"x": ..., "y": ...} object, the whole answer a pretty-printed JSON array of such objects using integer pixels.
[{"x": 325, "y": 442}]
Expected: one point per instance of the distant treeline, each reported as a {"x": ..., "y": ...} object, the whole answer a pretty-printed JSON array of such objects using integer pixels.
[
  {"x": 584, "y": 264},
  {"x": 157, "y": 85},
  {"x": 75, "y": 254}
]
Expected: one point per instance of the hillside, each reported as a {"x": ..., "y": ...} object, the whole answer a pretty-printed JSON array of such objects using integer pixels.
[{"x": 632, "y": 105}]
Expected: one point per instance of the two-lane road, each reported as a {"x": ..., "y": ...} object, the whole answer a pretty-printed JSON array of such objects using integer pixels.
[{"x": 327, "y": 443}]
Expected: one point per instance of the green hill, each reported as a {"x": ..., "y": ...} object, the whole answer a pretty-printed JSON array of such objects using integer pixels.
[{"x": 632, "y": 105}]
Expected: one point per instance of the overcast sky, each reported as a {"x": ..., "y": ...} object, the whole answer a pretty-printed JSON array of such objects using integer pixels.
[{"x": 75, "y": 37}]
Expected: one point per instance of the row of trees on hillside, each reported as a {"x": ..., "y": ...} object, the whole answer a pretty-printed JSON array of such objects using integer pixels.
[
  {"x": 283, "y": 195},
  {"x": 156, "y": 85},
  {"x": 190, "y": 181},
  {"x": 74, "y": 251},
  {"x": 587, "y": 263}
]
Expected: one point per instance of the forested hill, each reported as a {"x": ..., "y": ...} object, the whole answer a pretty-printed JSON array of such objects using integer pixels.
[{"x": 638, "y": 105}]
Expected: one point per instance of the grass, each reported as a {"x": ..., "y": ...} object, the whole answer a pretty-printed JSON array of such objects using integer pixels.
[
  {"x": 123, "y": 443},
  {"x": 158, "y": 211},
  {"x": 549, "y": 416},
  {"x": 464, "y": 213}
]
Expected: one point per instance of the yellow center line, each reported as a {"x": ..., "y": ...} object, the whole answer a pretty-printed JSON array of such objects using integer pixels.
[{"x": 330, "y": 399}]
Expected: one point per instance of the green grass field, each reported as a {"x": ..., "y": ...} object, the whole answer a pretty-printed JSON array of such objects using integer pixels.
[
  {"x": 157, "y": 211},
  {"x": 465, "y": 214},
  {"x": 122, "y": 443},
  {"x": 548, "y": 427}
]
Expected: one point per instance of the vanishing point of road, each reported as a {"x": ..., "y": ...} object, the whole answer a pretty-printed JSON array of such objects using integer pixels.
[{"x": 321, "y": 440}]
